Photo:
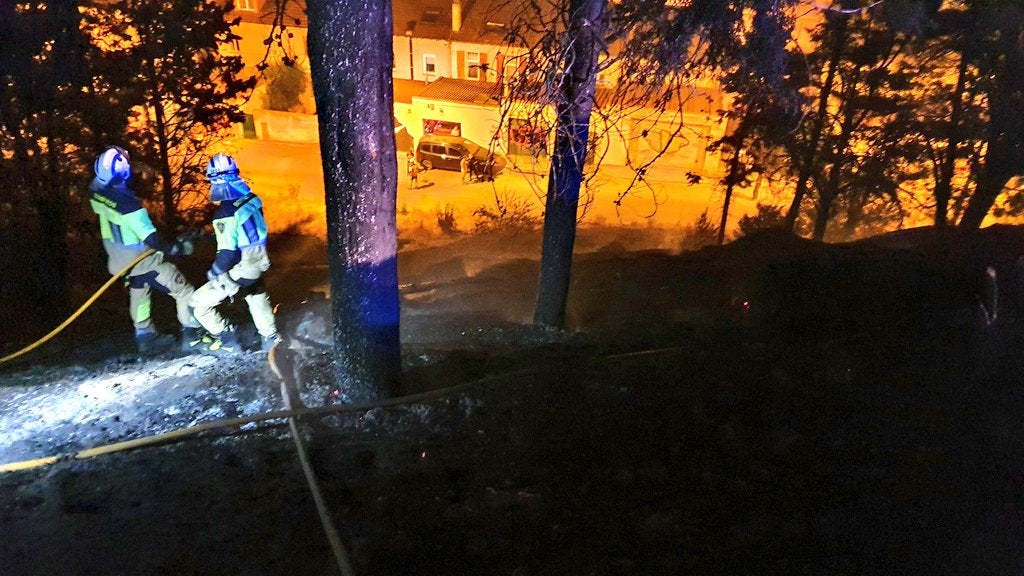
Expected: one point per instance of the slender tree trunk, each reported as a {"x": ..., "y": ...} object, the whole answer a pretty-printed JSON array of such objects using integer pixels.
[
  {"x": 828, "y": 184},
  {"x": 52, "y": 261},
  {"x": 944, "y": 185},
  {"x": 585, "y": 37},
  {"x": 725, "y": 211},
  {"x": 351, "y": 58},
  {"x": 163, "y": 150},
  {"x": 730, "y": 184},
  {"x": 808, "y": 158},
  {"x": 829, "y": 192},
  {"x": 1004, "y": 154}
]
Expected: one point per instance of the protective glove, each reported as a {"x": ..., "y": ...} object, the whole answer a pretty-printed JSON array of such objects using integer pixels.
[
  {"x": 188, "y": 248},
  {"x": 227, "y": 283},
  {"x": 181, "y": 248},
  {"x": 223, "y": 282}
]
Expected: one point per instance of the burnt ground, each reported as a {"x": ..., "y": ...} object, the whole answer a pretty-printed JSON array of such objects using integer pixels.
[{"x": 773, "y": 406}]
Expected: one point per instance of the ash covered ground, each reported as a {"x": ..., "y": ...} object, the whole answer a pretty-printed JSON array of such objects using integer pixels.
[{"x": 773, "y": 406}]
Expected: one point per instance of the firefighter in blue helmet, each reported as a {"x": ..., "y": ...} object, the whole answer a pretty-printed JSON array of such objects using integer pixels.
[
  {"x": 240, "y": 262},
  {"x": 127, "y": 232}
]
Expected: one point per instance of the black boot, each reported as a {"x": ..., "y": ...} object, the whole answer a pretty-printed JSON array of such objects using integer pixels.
[
  {"x": 152, "y": 342},
  {"x": 224, "y": 344},
  {"x": 193, "y": 340},
  {"x": 268, "y": 342}
]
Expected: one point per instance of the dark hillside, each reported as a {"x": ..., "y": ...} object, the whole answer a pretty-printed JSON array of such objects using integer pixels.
[{"x": 773, "y": 406}]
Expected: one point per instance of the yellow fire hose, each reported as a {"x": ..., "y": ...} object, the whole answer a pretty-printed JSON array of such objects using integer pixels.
[
  {"x": 282, "y": 364},
  {"x": 320, "y": 411},
  {"x": 284, "y": 372},
  {"x": 78, "y": 312},
  {"x": 183, "y": 433}
]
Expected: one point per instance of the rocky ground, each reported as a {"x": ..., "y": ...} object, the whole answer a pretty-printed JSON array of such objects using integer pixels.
[{"x": 773, "y": 406}]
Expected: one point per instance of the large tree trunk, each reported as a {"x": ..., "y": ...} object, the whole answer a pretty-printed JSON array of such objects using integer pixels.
[
  {"x": 350, "y": 57},
  {"x": 1000, "y": 161},
  {"x": 992, "y": 179},
  {"x": 585, "y": 37}
]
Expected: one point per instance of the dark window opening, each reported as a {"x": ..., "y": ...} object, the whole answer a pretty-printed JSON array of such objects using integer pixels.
[{"x": 249, "y": 127}]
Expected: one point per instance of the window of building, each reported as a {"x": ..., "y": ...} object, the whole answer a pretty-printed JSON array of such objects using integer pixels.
[
  {"x": 524, "y": 137},
  {"x": 429, "y": 64},
  {"x": 473, "y": 65},
  {"x": 431, "y": 16},
  {"x": 442, "y": 128},
  {"x": 245, "y": 5}
]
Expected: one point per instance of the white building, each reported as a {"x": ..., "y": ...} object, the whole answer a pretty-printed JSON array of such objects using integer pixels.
[{"x": 448, "y": 68}]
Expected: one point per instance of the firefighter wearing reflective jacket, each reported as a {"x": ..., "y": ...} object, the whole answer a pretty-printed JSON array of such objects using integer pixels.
[
  {"x": 127, "y": 232},
  {"x": 240, "y": 262}
]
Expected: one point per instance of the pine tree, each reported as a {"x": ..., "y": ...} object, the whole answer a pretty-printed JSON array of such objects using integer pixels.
[
  {"x": 654, "y": 50},
  {"x": 190, "y": 92},
  {"x": 46, "y": 107}
]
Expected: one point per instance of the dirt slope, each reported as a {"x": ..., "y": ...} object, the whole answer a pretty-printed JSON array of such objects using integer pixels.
[{"x": 773, "y": 407}]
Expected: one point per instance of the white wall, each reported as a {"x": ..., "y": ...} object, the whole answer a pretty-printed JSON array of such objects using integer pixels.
[
  {"x": 479, "y": 123},
  {"x": 421, "y": 47},
  {"x": 285, "y": 126}
]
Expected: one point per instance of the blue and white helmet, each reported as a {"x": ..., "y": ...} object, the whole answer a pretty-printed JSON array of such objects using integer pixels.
[
  {"x": 225, "y": 183},
  {"x": 221, "y": 165},
  {"x": 113, "y": 166}
]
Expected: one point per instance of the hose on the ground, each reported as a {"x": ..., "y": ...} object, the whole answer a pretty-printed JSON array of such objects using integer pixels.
[
  {"x": 282, "y": 364},
  {"x": 289, "y": 393},
  {"x": 320, "y": 411},
  {"x": 78, "y": 312},
  {"x": 183, "y": 433}
]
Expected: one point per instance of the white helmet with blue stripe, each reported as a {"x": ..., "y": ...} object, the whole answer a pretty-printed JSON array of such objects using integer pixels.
[
  {"x": 113, "y": 166},
  {"x": 225, "y": 183},
  {"x": 221, "y": 165}
]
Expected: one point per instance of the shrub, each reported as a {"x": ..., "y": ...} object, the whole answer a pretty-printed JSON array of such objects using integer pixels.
[
  {"x": 702, "y": 233},
  {"x": 508, "y": 214},
  {"x": 767, "y": 217},
  {"x": 446, "y": 221}
]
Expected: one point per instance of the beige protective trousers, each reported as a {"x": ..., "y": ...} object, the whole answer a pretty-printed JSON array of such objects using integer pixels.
[
  {"x": 152, "y": 272},
  {"x": 208, "y": 296}
]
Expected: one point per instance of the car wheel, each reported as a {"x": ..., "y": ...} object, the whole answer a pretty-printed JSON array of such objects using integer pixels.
[{"x": 427, "y": 164}]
